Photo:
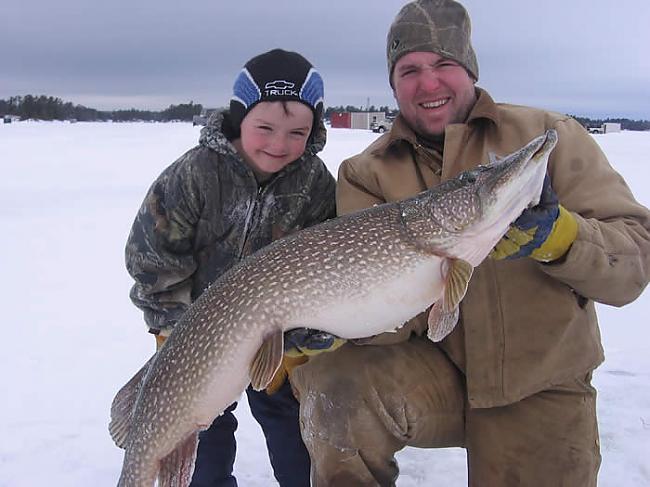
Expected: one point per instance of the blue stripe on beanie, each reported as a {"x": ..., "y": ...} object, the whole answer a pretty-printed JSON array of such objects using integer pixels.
[
  {"x": 246, "y": 90},
  {"x": 312, "y": 89}
]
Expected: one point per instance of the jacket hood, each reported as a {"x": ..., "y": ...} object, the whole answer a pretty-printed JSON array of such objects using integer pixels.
[{"x": 216, "y": 133}]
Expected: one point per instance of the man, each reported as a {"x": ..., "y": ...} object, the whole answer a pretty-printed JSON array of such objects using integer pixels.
[{"x": 512, "y": 383}]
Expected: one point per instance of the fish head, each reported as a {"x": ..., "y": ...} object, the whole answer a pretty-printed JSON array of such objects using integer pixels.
[{"x": 465, "y": 217}]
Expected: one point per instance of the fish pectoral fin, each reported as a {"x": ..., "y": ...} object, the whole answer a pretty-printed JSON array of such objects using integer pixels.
[
  {"x": 267, "y": 360},
  {"x": 444, "y": 313},
  {"x": 458, "y": 278},
  {"x": 123, "y": 404},
  {"x": 441, "y": 322},
  {"x": 176, "y": 469}
]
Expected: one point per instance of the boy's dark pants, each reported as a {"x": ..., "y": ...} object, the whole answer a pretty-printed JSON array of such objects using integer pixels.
[{"x": 278, "y": 416}]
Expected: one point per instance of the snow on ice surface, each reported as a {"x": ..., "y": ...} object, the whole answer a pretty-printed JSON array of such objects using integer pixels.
[{"x": 71, "y": 337}]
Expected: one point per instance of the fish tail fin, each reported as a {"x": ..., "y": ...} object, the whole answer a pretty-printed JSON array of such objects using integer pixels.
[
  {"x": 123, "y": 404},
  {"x": 176, "y": 469}
]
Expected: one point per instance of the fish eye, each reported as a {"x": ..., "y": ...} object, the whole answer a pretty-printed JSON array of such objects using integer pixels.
[{"x": 468, "y": 177}]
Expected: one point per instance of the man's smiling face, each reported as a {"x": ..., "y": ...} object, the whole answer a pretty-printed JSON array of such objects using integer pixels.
[{"x": 432, "y": 92}]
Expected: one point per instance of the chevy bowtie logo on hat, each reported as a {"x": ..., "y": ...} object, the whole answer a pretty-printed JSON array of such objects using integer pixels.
[
  {"x": 279, "y": 84},
  {"x": 280, "y": 87}
]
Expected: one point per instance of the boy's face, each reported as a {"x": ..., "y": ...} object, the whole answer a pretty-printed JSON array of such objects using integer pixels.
[
  {"x": 273, "y": 134},
  {"x": 432, "y": 92}
]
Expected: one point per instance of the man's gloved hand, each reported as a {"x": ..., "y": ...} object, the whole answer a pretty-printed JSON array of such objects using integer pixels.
[
  {"x": 287, "y": 365},
  {"x": 299, "y": 345},
  {"x": 544, "y": 232}
]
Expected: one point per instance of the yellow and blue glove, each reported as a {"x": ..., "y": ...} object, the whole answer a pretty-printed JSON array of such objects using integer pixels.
[
  {"x": 544, "y": 232},
  {"x": 307, "y": 341},
  {"x": 299, "y": 345}
]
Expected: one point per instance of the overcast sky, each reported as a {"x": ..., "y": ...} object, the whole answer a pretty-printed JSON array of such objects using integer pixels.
[{"x": 575, "y": 56}]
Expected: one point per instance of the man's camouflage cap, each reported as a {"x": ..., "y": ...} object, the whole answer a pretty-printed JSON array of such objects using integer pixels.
[{"x": 439, "y": 26}]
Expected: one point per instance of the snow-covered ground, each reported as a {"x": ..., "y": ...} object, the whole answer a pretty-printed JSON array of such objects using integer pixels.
[{"x": 70, "y": 336}]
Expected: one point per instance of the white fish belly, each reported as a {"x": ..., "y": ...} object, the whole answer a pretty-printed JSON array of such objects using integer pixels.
[
  {"x": 228, "y": 378},
  {"x": 384, "y": 305}
]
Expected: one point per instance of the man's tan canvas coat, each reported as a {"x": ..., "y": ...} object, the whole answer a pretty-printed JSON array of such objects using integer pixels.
[{"x": 524, "y": 325}]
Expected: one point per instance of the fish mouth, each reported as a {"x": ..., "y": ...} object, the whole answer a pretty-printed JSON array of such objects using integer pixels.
[
  {"x": 516, "y": 183},
  {"x": 548, "y": 144},
  {"x": 539, "y": 158},
  {"x": 535, "y": 153}
]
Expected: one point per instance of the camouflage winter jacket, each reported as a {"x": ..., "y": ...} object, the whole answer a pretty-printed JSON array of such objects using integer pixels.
[{"x": 206, "y": 212}]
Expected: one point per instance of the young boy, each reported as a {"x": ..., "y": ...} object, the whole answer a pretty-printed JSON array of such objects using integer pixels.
[{"x": 253, "y": 178}]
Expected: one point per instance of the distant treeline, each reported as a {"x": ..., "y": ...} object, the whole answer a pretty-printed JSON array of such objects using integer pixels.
[
  {"x": 51, "y": 108},
  {"x": 41, "y": 107}
]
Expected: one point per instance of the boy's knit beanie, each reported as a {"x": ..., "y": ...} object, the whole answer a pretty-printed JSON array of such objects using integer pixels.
[{"x": 276, "y": 75}]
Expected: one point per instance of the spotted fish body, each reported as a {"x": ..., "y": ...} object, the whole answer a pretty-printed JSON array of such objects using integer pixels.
[{"x": 355, "y": 276}]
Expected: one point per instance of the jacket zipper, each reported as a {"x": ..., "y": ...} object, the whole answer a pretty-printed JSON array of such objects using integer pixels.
[{"x": 251, "y": 216}]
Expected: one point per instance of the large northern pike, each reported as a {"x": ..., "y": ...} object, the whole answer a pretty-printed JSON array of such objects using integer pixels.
[{"x": 356, "y": 276}]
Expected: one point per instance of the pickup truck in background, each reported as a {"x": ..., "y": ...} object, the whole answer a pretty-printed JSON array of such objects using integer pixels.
[{"x": 381, "y": 126}]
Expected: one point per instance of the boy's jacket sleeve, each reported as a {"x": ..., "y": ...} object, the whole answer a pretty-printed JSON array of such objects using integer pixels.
[{"x": 159, "y": 250}]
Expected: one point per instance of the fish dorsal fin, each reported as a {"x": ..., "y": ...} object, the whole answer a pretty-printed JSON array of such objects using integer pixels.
[
  {"x": 266, "y": 361},
  {"x": 444, "y": 313},
  {"x": 123, "y": 404},
  {"x": 458, "y": 278}
]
